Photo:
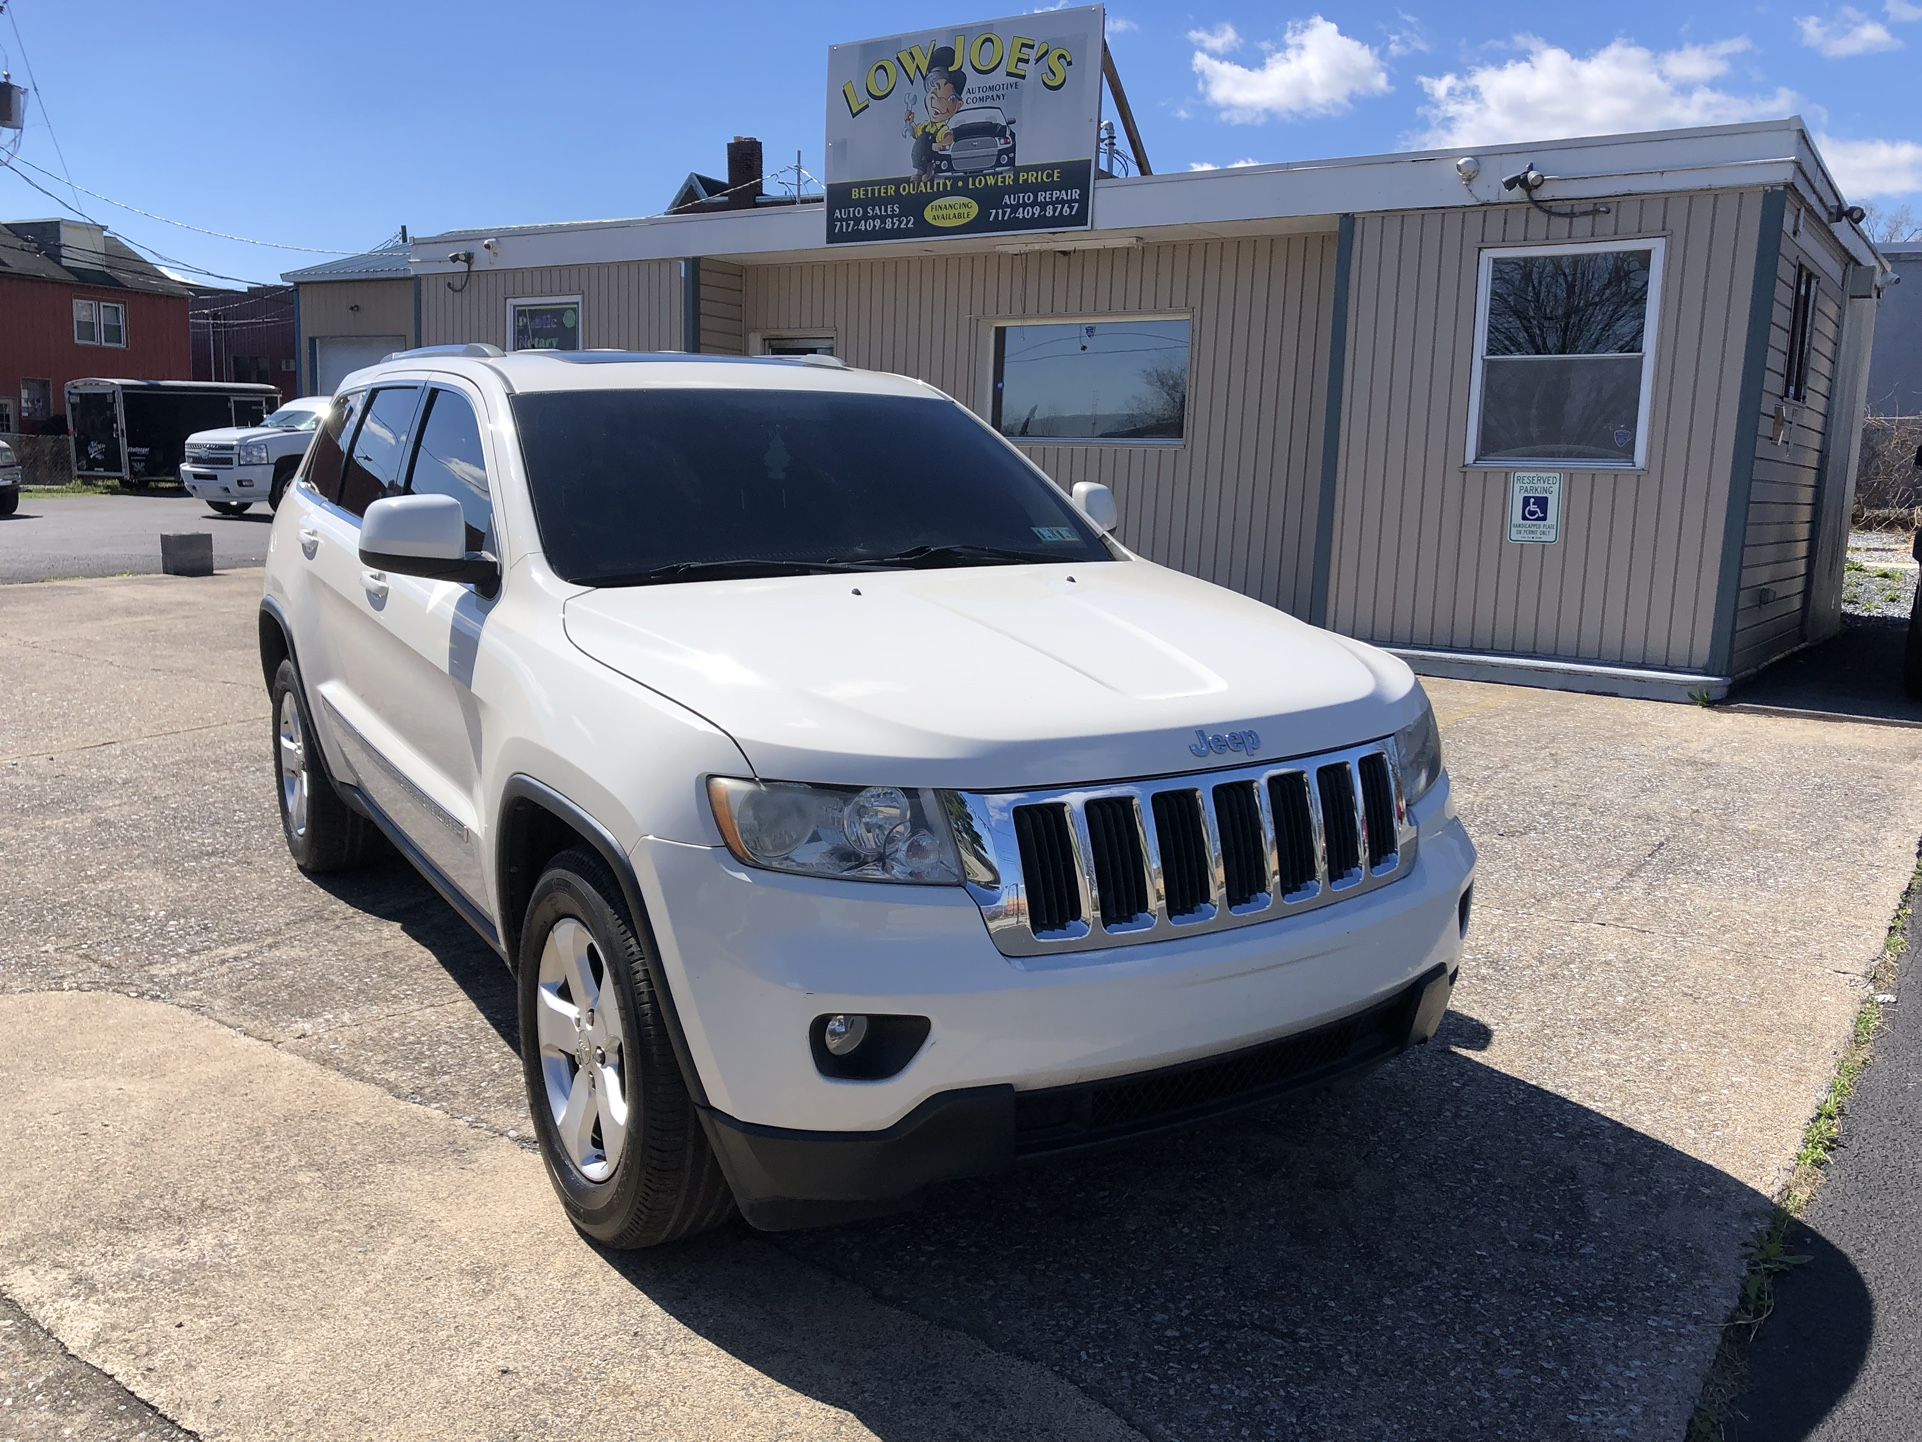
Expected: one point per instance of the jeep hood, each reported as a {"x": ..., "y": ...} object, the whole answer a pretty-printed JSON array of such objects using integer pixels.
[{"x": 991, "y": 678}]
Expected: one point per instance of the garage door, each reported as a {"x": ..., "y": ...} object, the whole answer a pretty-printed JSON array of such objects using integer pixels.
[{"x": 337, "y": 355}]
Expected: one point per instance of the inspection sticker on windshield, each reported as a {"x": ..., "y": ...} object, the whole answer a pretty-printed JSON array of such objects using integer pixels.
[
  {"x": 1054, "y": 533},
  {"x": 1535, "y": 507}
]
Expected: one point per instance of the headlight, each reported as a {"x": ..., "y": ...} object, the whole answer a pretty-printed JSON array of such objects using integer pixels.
[
  {"x": 252, "y": 453},
  {"x": 1418, "y": 746},
  {"x": 872, "y": 833}
]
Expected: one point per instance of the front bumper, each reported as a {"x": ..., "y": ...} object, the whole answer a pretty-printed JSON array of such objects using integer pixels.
[
  {"x": 753, "y": 958},
  {"x": 784, "y": 1178},
  {"x": 227, "y": 483}
]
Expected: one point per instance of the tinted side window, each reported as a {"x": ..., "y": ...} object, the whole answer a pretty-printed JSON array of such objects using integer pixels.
[
  {"x": 324, "y": 457},
  {"x": 450, "y": 462},
  {"x": 374, "y": 460}
]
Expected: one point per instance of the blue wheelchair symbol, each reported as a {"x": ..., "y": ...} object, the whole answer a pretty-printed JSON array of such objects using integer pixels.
[{"x": 1534, "y": 508}]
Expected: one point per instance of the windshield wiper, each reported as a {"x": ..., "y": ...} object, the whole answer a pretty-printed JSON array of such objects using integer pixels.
[
  {"x": 955, "y": 555},
  {"x": 739, "y": 566}
]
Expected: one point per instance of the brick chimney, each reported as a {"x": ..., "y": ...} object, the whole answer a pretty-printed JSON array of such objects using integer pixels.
[{"x": 743, "y": 171}]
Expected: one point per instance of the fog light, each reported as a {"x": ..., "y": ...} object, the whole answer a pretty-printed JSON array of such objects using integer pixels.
[{"x": 842, "y": 1034}]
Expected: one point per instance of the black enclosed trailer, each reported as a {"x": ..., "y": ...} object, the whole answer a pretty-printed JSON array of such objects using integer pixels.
[{"x": 136, "y": 431}]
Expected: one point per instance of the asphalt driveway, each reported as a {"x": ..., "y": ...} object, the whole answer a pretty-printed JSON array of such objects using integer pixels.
[
  {"x": 94, "y": 535},
  {"x": 269, "y": 1173}
]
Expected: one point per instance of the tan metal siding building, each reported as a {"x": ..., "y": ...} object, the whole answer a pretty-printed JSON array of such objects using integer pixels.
[{"x": 1332, "y": 317}]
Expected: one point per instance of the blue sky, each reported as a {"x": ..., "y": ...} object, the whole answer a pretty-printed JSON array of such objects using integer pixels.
[{"x": 331, "y": 126}]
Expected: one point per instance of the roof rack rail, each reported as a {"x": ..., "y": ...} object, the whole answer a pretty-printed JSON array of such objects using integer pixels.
[
  {"x": 475, "y": 349},
  {"x": 832, "y": 362}
]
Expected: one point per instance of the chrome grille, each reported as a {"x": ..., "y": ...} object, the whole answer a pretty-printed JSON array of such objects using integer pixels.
[
  {"x": 1077, "y": 868},
  {"x": 207, "y": 455}
]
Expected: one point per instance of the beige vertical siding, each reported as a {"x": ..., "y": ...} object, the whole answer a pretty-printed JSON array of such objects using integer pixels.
[
  {"x": 1778, "y": 550},
  {"x": 1421, "y": 556},
  {"x": 722, "y": 332},
  {"x": 633, "y": 304},
  {"x": 1236, "y": 503},
  {"x": 386, "y": 308}
]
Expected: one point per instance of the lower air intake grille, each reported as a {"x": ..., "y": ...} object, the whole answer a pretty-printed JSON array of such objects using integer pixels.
[{"x": 1048, "y": 866}]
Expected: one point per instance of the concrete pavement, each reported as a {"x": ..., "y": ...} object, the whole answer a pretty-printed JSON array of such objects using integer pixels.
[
  {"x": 52, "y": 537},
  {"x": 1531, "y": 1231}
]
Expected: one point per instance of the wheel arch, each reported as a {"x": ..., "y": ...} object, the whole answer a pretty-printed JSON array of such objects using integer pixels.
[
  {"x": 276, "y": 641},
  {"x": 535, "y": 824}
]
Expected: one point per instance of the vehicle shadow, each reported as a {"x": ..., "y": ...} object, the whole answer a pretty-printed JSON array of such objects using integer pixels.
[{"x": 1439, "y": 1251}]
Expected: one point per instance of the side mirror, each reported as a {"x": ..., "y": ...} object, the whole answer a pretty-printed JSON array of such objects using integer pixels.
[
  {"x": 1097, "y": 504},
  {"x": 425, "y": 536}
]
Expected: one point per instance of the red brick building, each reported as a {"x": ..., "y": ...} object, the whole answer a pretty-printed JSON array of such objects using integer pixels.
[
  {"x": 245, "y": 335},
  {"x": 77, "y": 302}
]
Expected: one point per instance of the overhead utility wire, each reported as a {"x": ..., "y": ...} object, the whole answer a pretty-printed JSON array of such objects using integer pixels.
[{"x": 39, "y": 95}]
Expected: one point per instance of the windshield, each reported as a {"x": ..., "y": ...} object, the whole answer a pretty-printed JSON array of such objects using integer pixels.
[
  {"x": 978, "y": 117},
  {"x": 632, "y": 487},
  {"x": 292, "y": 418}
]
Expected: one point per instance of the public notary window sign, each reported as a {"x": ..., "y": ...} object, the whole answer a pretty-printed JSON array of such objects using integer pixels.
[
  {"x": 1564, "y": 355},
  {"x": 548, "y": 322},
  {"x": 1107, "y": 380}
]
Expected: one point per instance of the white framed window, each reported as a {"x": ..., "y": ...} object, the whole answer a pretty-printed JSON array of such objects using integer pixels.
[
  {"x": 113, "y": 323},
  {"x": 36, "y": 399},
  {"x": 86, "y": 325},
  {"x": 1103, "y": 380},
  {"x": 6, "y": 415},
  {"x": 544, "y": 322},
  {"x": 1565, "y": 354},
  {"x": 1795, "y": 383},
  {"x": 784, "y": 343}
]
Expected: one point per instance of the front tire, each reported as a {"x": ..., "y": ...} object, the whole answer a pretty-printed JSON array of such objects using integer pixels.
[
  {"x": 9, "y": 501},
  {"x": 231, "y": 508},
  {"x": 283, "y": 477},
  {"x": 322, "y": 833},
  {"x": 618, "y": 1132}
]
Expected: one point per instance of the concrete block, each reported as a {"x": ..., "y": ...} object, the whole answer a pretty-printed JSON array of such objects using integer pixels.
[{"x": 187, "y": 553}]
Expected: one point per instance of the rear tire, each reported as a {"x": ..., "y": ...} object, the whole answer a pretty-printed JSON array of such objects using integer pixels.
[
  {"x": 231, "y": 508},
  {"x": 283, "y": 477},
  {"x": 323, "y": 833},
  {"x": 623, "y": 1146}
]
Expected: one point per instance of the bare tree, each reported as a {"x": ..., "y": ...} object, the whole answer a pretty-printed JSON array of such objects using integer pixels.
[{"x": 1895, "y": 224}]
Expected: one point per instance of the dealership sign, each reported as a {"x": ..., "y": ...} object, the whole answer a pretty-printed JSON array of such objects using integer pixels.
[{"x": 965, "y": 130}]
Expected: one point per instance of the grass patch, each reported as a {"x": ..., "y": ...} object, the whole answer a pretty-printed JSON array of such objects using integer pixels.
[
  {"x": 1769, "y": 1254},
  {"x": 99, "y": 488}
]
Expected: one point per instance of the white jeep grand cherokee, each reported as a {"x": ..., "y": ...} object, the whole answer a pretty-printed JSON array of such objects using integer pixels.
[{"x": 855, "y": 811}]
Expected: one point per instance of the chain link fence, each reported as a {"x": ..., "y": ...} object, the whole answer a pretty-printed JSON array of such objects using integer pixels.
[{"x": 44, "y": 460}]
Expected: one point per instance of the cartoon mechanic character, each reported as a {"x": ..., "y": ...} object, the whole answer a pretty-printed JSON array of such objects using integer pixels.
[{"x": 947, "y": 78}]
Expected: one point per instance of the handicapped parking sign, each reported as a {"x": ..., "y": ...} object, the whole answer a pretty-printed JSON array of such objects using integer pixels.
[{"x": 1535, "y": 507}]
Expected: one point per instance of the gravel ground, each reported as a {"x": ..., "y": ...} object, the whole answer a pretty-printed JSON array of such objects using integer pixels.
[{"x": 1881, "y": 576}]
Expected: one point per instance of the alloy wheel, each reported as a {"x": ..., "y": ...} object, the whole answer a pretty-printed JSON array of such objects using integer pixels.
[
  {"x": 578, "y": 1021},
  {"x": 293, "y": 765}
]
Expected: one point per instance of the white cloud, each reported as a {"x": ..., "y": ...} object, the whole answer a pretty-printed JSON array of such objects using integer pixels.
[
  {"x": 1316, "y": 70},
  {"x": 1218, "y": 41},
  {"x": 1120, "y": 25},
  {"x": 1232, "y": 165},
  {"x": 1548, "y": 93},
  {"x": 1410, "y": 39},
  {"x": 1849, "y": 33},
  {"x": 1867, "y": 169},
  {"x": 1902, "y": 10}
]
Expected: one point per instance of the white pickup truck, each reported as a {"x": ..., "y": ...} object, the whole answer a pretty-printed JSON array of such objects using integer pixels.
[
  {"x": 856, "y": 811},
  {"x": 233, "y": 467}
]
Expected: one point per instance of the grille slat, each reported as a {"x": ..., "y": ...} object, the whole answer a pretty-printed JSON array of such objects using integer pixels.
[
  {"x": 1243, "y": 856},
  {"x": 1048, "y": 867},
  {"x": 1378, "y": 808},
  {"x": 1341, "y": 832},
  {"x": 1184, "y": 851},
  {"x": 1121, "y": 872},
  {"x": 1294, "y": 831}
]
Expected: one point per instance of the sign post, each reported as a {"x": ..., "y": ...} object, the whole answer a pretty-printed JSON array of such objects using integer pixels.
[
  {"x": 980, "y": 129},
  {"x": 1535, "y": 507}
]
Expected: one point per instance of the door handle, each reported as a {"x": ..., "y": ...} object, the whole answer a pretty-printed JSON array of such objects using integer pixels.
[
  {"x": 376, "y": 585},
  {"x": 309, "y": 541}
]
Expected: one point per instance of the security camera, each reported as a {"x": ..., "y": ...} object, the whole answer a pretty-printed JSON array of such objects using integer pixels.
[
  {"x": 460, "y": 257},
  {"x": 1468, "y": 167},
  {"x": 491, "y": 246},
  {"x": 1852, "y": 213},
  {"x": 1528, "y": 178}
]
